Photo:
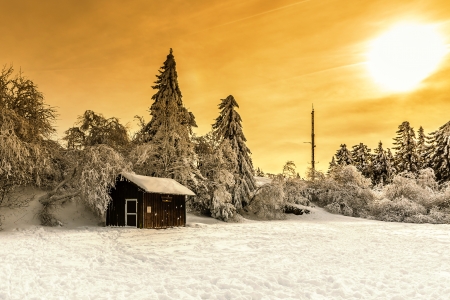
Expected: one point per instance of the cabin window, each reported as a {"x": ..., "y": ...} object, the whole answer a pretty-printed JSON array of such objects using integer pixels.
[{"x": 131, "y": 212}]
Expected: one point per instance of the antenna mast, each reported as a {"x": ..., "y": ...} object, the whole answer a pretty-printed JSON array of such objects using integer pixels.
[{"x": 313, "y": 145}]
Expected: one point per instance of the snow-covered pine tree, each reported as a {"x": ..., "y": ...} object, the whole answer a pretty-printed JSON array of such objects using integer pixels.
[
  {"x": 228, "y": 126},
  {"x": 391, "y": 159},
  {"x": 421, "y": 148},
  {"x": 259, "y": 172},
  {"x": 406, "y": 158},
  {"x": 381, "y": 164},
  {"x": 343, "y": 156},
  {"x": 438, "y": 153},
  {"x": 362, "y": 159},
  {"x": 167, "y": 105},
  {"x": 333, "y": 164},
  {"x": 217, "y": 163},
  {"x": 167, "y": 137}
]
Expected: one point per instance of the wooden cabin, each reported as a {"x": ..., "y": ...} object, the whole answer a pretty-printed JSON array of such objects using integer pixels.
[{"x": 147, "y": 202}]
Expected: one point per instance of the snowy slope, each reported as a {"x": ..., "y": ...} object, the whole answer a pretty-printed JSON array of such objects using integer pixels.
[
  {"x": 316, "y": 256},
  {"x": 260, "y": 181}
]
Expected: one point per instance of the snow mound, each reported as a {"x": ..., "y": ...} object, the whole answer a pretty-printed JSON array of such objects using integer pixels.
[
  {"x": 260, "y": 181},
  {"x": 71, "y": 214}
]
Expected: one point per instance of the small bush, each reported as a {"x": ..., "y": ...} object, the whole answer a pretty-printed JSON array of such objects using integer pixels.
[
  {"x": 295, "y": 191},
  {"x": 340, "y": 208},
  {"x": 396, "y": 210},
  {"x": 268, "y": 203},
  {"x": 221, "y": 207},
  {"x": 345, "y": 187},
  {"x": 406, "y": 186}
]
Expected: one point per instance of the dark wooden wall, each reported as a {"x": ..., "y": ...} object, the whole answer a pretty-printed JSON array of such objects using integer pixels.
[{"x": 162, "y": 215}]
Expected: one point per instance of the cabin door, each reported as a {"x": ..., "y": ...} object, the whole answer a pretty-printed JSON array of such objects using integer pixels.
[{"x": 131, "y": 212}]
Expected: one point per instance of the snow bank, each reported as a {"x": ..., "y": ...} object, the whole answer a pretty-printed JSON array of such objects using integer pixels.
[
  {"x": 72, "y": 214},
  {"x": 260, "y": 181},
  {"x": 316, "y": 256},
  {"x": 158, "y": 185}
]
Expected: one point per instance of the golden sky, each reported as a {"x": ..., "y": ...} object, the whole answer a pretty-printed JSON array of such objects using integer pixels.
[{"x": 275, "y": 57}]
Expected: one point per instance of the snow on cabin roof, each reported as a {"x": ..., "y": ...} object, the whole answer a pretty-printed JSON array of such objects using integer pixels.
[{"x": 158, "y": 185}]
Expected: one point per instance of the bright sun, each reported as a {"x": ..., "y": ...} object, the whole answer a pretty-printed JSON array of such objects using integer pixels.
[{"x": 405, "y": 55}]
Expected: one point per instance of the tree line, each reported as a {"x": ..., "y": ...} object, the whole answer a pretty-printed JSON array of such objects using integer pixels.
[
  {"x": 85, "y": 164},
  {"x": 412, "y": 152}
]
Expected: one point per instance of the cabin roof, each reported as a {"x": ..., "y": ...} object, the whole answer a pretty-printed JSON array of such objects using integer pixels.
[{"x": 158, "y": 185}]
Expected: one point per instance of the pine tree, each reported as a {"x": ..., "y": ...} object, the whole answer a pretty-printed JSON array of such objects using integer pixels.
[
  {"x": 343, "y": 156},
  {"x": 391, "y": 159},
  {"x": 406, "y": 158},
  {"x": 382, "y": 167},
  {"x": 259, "y": 172},
  {"x": 228, "y": 126},
  {"x": 438, "y": 153},
  {"x": 167, "y": 104},
  {"x": 216, "y": 162},
  {"x": 362, "y": 159},
  {"x": 421, "y": 148},
  {"x": 332, "y": 165},
  {"x": 168, "y": 134}
]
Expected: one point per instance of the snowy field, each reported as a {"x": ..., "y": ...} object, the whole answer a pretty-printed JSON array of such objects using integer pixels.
[{"x": 317, "y": 256}]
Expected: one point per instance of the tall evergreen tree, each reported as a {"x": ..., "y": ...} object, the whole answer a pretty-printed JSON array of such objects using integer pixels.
[
  {"x": 362, "y": 159},
  {"x": 343, "y": 156},
  {"x": 167, "y": 104},
  {"x": 421, "y": 148},
  {"x": 168, "y": 133},
  {"x": 438, "y": 153},
  {"x": 259, "y": 172},
  {"x": 228, "y": 126},
  {"x": 391, "y": 159},
  {"x": 332, "y": 165},
  {"x": 382, "y": 167},
  {"x": 406, "y": 158}
]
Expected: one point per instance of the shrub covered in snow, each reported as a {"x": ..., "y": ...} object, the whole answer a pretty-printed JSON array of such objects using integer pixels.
[
  {"x": 92, "y": 174},
  {"x": 396, "y": 210},
  {"x": 343, "y": 191},
  {"x": 406, "y": 185},
  {"x": 221, "y": 206},
  {"x": 216, "y": 162},
  {"x": 295, "y": 191},
  {"x": 414, "y": 198},
  {"x": 268, "y": 201}
]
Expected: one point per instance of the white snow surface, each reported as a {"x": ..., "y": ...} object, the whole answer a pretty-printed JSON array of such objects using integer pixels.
[
  {"x": 316, "y": 256},
  {"x": 260, "y": 181},
  {"x": 158, "y": 185}
]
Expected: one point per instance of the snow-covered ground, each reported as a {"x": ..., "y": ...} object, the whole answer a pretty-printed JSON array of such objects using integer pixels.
[{"x": 316, "y": 256}]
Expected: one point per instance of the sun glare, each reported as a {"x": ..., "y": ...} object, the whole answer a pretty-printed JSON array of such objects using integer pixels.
[{"x": 405, "y": 55}]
